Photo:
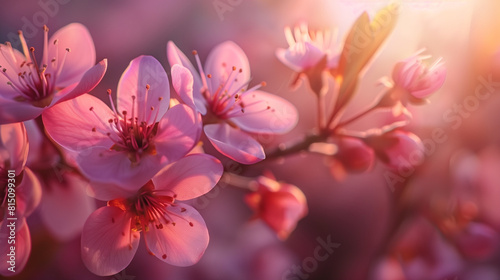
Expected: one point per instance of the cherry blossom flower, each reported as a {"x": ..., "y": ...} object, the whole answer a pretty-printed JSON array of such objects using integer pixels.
[
  {"x": 278, "y": 204},
  {"x": 18, "y": 186},
  {"x": 174, "y": 232},
  {"x": 307, "y": 48},
  {"x": 29, "y": 86},
  {"x": 413, "y": 81},
  {"x": 398, "y": 149},
  {"x": 231, "y": 111},
  {"x": 129, "y": 144}
]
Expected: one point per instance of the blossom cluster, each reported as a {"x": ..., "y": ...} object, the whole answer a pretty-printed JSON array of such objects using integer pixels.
[{"x": 141, "y": 151}]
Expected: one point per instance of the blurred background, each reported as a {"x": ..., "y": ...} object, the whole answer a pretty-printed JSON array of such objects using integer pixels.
[{"x": 359, "y": 212}]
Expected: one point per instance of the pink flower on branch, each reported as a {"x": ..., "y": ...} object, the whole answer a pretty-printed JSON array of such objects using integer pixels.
[
  {"x": 278, "y": 204},
  {"x": 29, "y": 85},
  {"x": 307, "y": 48},
  {"x": 413, "y": 81},
  {"x": 129, "y": 144},
  {"x": 174, "y": 232},
  {"x": 20, "y": 194},
  {"x": 231, "y": 111},
  {"x": 398, "y": 149}
]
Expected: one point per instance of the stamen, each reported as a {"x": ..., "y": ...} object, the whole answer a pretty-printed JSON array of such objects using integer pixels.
[
  {"x": 45, "y": 57},
  {"x": 202, "y": 73},
  {"x": 24, "y": 46}
]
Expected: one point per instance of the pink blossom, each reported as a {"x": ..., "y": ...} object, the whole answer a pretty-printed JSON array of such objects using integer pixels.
[
  {"x": 398, "y": 149},
  {"x": 477, "y": 241},
  {"x": 278, "y": 204},
  {"x": 174, "y": 232},
  {"x": 231, "y": 111},
  {"x": 129, "y": 144},
  {"x": 417, "y": 79},
  {"x": 307, "y": 48},
  {"x": 29, "y": 86},
  {"x": 18, "y": 187},
  {"x": 354, "y": 155}
]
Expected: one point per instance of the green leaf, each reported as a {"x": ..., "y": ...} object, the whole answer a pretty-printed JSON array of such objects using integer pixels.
[{"x": 361, "y": 43}]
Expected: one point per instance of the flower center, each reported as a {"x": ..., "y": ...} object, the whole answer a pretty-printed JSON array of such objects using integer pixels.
[
  {"x": 129, "y": 134},
  {"x": 229, "y": 100},
  {"x": 150, "y": 208},
  {"x": 33, "y": 82}
]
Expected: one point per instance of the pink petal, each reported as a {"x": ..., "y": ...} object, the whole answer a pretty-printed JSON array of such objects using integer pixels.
[
  {"x": 13, "y": 138},
  {"x": 408, "y": 152},
  {"x": 282, "y": 210},
  {"x": 190, "y": 177},
  {"x": 478, "y": 241},
  {"x": 143, "y": 71},
  {"x": 65, "y": 206},
  {"x": 108, "y": 166},
  {"x": 176, "y": 56},
  {"x": 301, "y": 56},
  {"x": 220, "y": 62},
  {"x": 70, "y": 123},
  {"x": 108, "y": 243},
  {"x": 13, "y": 111},
  {"x": 87, "y": 83},
  {"x": 180, "y": 244},
  {"x": 435, "y": 80},
  {"x": 182, "y": 80},
  {"x": 282, "y": 55},
  {"x": 108, "y": 191},
  {"x": 234, "y": 143},
  {"x": 11, "y": 61},
  {"x": 178, "y": 132},
  {"x": 29, "y": 193},
  {"x": 270, "y": 114},
  {"x": 22, "y": 247},
  {"x": 81, "y": 57}
]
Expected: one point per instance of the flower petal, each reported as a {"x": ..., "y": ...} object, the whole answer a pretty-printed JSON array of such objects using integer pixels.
[
  {"x": 142, "y": 71},
  {"x": 234, "y": 143},
  {"x": 182, "y": 244},
  {"x": 108, "y": 166},
  {"x": 29, "y": 193},
  {"x": 176, "y": 56},
  {"x": 108, "y": 243},
  {"x": 13, "y": 111},
  {"x": 178, "y": 132},
  {"x": 268, "y": 113},
  {"x": 10, "y": 60},
  {"x": 300, "y": 56},
  {"x": 70, "y": 123},
  {"x": 182, "y": 80},
  {"x": 87, "y": 83},
  {"x": 22, "y": 248},
  {"x": 190, "y": 177},
  {"x": 65, "y": 206},
  {"x": 220, "y": 63},
  {"x": 78, "y": 60},
  {"x": 108, "y": 191},
  {"x": 13, "y": 139}
]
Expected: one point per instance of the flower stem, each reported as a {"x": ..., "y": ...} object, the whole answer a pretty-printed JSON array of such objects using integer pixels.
[{"x": 297, "y": 147}]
